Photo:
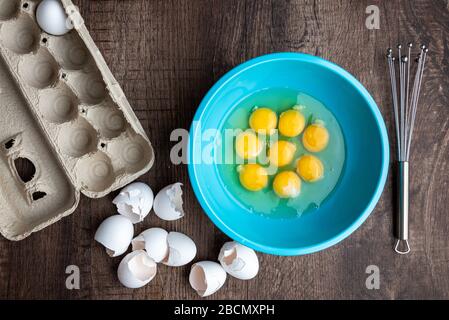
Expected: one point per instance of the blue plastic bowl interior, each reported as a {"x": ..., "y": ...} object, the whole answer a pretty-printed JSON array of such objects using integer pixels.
[{"x": 362, "y": 180}]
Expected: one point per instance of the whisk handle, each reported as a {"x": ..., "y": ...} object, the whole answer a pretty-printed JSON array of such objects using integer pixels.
[{"x": 401, "y": 228}]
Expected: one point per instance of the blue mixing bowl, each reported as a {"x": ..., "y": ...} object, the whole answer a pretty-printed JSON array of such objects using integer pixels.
[{"x": 363, "y": 177}]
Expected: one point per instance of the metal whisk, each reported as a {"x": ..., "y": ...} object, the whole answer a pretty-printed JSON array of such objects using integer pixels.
[{"x": 405, "y": 103}]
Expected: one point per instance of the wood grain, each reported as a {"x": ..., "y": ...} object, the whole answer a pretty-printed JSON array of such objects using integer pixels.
[{"x": 166, "y": 55}]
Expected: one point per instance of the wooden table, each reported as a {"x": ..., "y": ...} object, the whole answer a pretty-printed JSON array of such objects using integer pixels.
[{"x": 166, "y": 55}]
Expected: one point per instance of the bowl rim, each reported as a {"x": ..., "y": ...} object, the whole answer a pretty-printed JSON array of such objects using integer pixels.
[{"x": 278, "y": 250}]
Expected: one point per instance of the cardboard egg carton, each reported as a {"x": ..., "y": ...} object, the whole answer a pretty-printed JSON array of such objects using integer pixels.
[{"x": 63, "y": 111}]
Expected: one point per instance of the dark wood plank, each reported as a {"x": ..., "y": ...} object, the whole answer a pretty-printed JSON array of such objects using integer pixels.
[{"x": 166, "y": 55}]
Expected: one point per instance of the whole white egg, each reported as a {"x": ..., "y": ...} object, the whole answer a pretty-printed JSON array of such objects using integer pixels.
[{"x": 51, "y": 17}]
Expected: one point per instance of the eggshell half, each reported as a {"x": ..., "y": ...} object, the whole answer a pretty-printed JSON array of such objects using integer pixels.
[
  {"x": 168, "y": 203},
  {"x": 239, "y": 261},
  {"x": 135, "y": 201},
  {"x": 181, "y": 250},
  {"x": 115, "y": 233},
  {"x": 136, "y": 269},
  {"x": 154, "y": 241},
  {"x": 207, "y": 277},
  {"x": 51, "y": 17}
]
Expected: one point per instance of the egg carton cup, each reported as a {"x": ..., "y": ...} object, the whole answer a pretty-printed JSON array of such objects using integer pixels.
[{"x": 62, "y": 110}]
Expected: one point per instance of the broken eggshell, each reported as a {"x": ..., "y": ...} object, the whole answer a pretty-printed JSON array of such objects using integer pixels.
[
  {"x": 154, "y": 241},
  {"x": 135, "y": 201},
  {"x": 115, "y": 233},
  {"x": 168, "y": 203},
  {"x": 207, "y": 277},
  {"x": 136, "y": 269},
  {"x": 239, "y": 261},
  {"x": 181, "y": 250}
]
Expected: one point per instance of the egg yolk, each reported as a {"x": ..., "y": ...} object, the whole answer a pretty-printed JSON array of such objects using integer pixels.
[
  {"x": 310, "y": 168},
  {"x": 248, "y": 145},
  {"x": 253, "y": 176},
  {"x": 315, "y": 138},
  {"x": 287, "y": 184},
  {"x": 291, "y": 123},
  {"x": 263, "y": 121},
  {"x": 281, "y": 153}
]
